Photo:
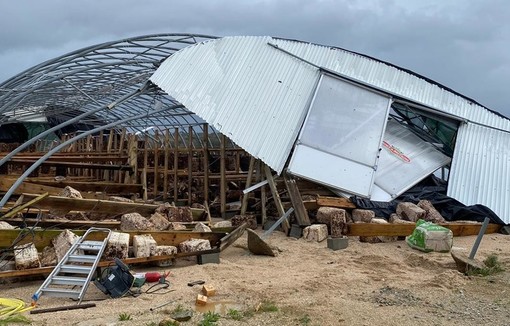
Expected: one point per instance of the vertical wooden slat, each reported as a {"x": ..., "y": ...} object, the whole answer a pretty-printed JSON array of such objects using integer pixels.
[
  {"x": 297, "y": 201},
  {"x": 176, "y": 163},
  {"x": 223, "y": 183},
  {"x": 190, "y": 163},
  {"x": 144, "y": 170},
  {"x": 121, "y": 150},
  {"x": 206, "y": 162},
  {"x": 165, "y": 173},
  {"x": 244, "y": 204},
  {"x": 156, "y": 164},
  {"x": 276, "y": 198}
]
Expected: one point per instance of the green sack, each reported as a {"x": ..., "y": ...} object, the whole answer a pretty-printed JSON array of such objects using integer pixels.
[{"x": 428, "y": 236}]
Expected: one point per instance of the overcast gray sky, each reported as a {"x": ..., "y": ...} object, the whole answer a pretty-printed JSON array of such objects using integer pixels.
[{"x": 463, "y": 44}]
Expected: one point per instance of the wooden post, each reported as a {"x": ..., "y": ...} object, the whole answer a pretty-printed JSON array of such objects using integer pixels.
[
  {"x": 133, "y": 159},
  {"x": 244, "y": 204},
  {"x": 156, "y": 163},
  {"x": 176, "y": 163},
  {"x": 297, "y": 201},
  {"x": 165, "y": 173},
  {"x": 223, "y": 185},
  {"x": 206, "y": 162},
  {"x": 106, "y": 174},
  {"x": 190, "y": 163},
  {"x": 263, "y": 201},
  {"x": 276, "y": 198},
  {"x": 144, "y": 170},
  {"x": 121, "y": 149}
]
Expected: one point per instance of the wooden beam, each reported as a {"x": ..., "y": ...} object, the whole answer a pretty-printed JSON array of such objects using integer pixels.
[
  {"x": 100, "y": 206},
  {"x": 276, "y": 198},
  {"x": 144, "y": 169},
  {"x": 176, "y": 164},
  {"x": 156, "y": 165},
  {"x": 337, "y": 202},
  {"x": 190, "y": 164},
  {"x": 391, "y": 229},
  {"x": 166, "y": 146},
  {"x": 223, "y": 182},
  {"x": 244, "y": 204},
  {"x": 29, "y": 203},
  {"x": 77, "y": 165},
  {"x": 297, "y": 201},
  {"x": 206, "y": 162},
  {"x": 94, "y": 186}
]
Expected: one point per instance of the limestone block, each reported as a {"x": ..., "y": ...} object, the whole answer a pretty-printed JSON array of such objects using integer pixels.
[
  {"x": 120, "y": 199},
  {"x": 338, "y": 226},
  {"x": 63, "y": 242},
  {"x": 251, "y": 221},
  {"x": 432, "y": 214},
  {"x": 193, "y": 245},
  {"x": 5, "y": 226},
  {"x": 409, "y": 211},
  {"x": 144, "y": 245},
  {"x": 117, "y": 246},
  {"x": 164, "y": 250},
  {"x": 25, "y": 256},
  {"x": 134, "y": 222},
  {"x": 316, "y": 232},
  {"x": 324, "y": 214},
  {"x": 159, "y": 221},
  {"x": 362, "y": 215},
  {"x": 175, "y": 214},
  {"x": 176, "y": 226},
  {"x": 394, "y": 218},
  {"x": 70, "y": 192},
  {"x": 201, "y": 227},
  {"x": 48, "y": 257},
  {"x": 222, "y": 224},
  {"x": 185, "y": 214}
]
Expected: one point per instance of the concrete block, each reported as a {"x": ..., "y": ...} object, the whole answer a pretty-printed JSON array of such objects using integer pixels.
[
  {"x": 144, "y": 245},
  {"x": 193, "y": 245},
  {"x": 201, "y": 227},
  {"x": 338, "y": 243},
  {"x": 296, "y": 231},
  {"x": 213, "y": 258},
  {"x": 362, "y": 215},
  {"x": 135, "y": 222},
  {"x": 240, "y": 219},
  {"x": 159, "y": 221},
  {"x": 411, "y": 212},
  {"x": 316, "y": 232},
  {"x": 63, "y": 242},
  {"x": 117, "y": 246},
  {"x": 26, "y": 256}
]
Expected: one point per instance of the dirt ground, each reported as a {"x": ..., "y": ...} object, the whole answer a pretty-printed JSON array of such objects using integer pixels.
[{"x": 309, "y": 284}]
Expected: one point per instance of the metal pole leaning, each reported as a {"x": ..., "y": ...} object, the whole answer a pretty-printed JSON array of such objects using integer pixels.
[
  {"x": 36, "y": 164},
  {"x": 70, "y": 121}
]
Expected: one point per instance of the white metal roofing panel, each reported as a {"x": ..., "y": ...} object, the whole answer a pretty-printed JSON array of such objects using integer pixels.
[
  {"x": 480, "y": 168},
  {"x": 393, "y": 80},
  {"x": 253, "y": 93}
]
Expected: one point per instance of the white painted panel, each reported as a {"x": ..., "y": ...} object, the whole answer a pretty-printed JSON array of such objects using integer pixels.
[
  {"x": 405, "y": 160},
  {"x": 341, "y": 134},
  {"x": 331, "y": 170}
]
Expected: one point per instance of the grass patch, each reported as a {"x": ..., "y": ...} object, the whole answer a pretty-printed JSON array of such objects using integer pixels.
[
  {"x": 210, "y": 318},
  {"x": 235, "y": 314},
  {"x": 168, "y": 323},
  {"x": 305, "y": 320},
  {"x": 267, "y": 306},
  {"x": 493, "y": 266},
  {"x": 178, "y": 309},
  {"x": 124, "y": 316},
  {"x": 15, "y": 319}
]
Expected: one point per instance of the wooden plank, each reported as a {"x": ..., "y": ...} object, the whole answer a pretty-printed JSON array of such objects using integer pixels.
[
  {"x": 70, "y": 224},
  {"x": 165, "y": 167},
  {"x": 337, "y": 202},
  {"x": 276, "y": 198},
  {"x": 205, "y": 152},
  {"x": 297, "y": 201},
  {"x": 76, "y": 165},
  {"x": 223, "y": 182},
  {"x": 374, "y": 229},
  {"x": 190, "y": 164},
  {"x": 156, "y": 165},
  {"x": 27, "y": 187},
  {"x": 94, "y": 186},
  {"x": 29, "y": 203},
  {"x": 144, "y": 169},
  {"x": 230, "y": 238},
  {"x": 100, "y": 206},
  {"x": 176, "y": 164},
  {"x": 244, "y": 204},
  {"x": 42, "y": 238}
]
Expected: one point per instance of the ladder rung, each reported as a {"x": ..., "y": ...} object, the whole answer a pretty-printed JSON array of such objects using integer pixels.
[
  {"x": 82, "y": 258},
  {"x": 61, "y": 293},
  {"x": 91, "y": 245},
  {"x": 75, "y": 269},
  {"x": 68, "y": 280}
]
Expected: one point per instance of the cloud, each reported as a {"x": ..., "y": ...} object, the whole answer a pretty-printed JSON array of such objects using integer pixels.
[{"x": 462, "y": 44}]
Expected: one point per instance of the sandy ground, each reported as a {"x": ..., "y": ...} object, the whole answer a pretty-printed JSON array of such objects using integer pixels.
[{"x": 309, "y": 284}]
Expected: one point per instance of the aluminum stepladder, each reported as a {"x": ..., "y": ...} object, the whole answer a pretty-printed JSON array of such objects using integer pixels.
[{"x": 72, "y": 275}]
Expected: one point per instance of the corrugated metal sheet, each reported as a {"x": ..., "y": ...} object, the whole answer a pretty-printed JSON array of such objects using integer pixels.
[
  {"x": 480, "y": 169},
  {"x": 249, "y": 91},
  {"x": 257, "y": 96}
]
